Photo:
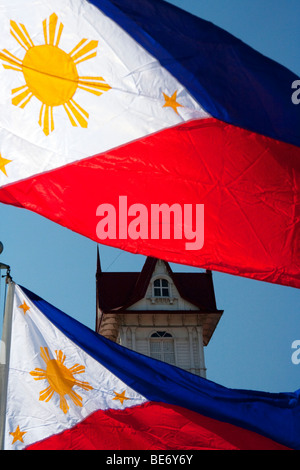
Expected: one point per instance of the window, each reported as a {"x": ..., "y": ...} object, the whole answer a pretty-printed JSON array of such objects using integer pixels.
[
  {"x": 162, "y": 347},
  {"x": 161, "y": 288}
]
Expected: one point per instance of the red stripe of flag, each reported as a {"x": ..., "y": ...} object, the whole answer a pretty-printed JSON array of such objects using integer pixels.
[
  {"x": 249, "y": 185},
  {"x": 155, "y": 426}
]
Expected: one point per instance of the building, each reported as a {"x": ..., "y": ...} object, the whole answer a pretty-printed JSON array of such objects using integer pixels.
[{"x": 157, "y": 312}]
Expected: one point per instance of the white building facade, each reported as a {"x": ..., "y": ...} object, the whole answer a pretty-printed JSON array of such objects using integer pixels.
[{"x": 168, "y": 316}]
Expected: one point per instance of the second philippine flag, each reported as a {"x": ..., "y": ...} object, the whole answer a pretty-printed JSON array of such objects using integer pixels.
[{"x": 68, "y": 388}]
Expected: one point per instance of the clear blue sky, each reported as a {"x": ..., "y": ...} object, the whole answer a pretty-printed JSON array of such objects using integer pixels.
[{"x": 251, "y": 347}]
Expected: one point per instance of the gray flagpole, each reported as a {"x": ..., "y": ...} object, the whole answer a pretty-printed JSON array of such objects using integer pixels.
[{"x": 5, "y": 353}]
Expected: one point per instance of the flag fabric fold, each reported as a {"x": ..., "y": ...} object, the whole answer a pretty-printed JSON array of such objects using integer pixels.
[
  {"x": 140, "y": 99},
  {"x": 68, "y": 388}
]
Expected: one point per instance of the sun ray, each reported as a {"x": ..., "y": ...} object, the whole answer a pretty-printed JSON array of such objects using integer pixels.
[
  {"x": 16, "y": 64},
  {"x": 83, "y": 48},
  {"x": 84, "y": 385},
  {"x": 45, "y": 30},
  {"x": 45, "y": 354},
  {"x": 76, "y": 113},
  {"x": 21, "y": 35},
  {"x": 28, "y": 41},
  {"x": 93, "y": 85},
  {"x": 77, "y": 369},
  {"x": 94, "y": 54},
  {"x": 51, "y": 31},
  {"x": 46, "y": 120},
  {"x": 47, "y": 394},
  {"x": 72, "y": 120},
  {"x": 38, "y": 374},
  {"x": 77, "y": 47},
  {"x": 60, "y": 29},
  {"x": 60, "y": 356},
  {"x": 52, "y": 28},
  {"x": 63, "y": 404},
  {"x": 77, "y": 400},
  {"x": 22, "y": 96}
]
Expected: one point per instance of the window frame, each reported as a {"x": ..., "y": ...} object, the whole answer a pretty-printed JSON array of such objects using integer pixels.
[
  {"x": 162, "y": 338},
  {"x": 161, "y": 287}
]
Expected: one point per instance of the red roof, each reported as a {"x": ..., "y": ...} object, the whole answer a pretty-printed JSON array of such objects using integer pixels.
[{"x": 119, "y": 290}]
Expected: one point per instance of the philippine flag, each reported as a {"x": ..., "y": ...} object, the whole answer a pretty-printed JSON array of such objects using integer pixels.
[
  {"x": 68, "y": 388},
  {"x": 137, "y": 99}
]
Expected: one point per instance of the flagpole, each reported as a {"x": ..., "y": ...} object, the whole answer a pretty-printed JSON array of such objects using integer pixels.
[{"x": 5, "y": 352}]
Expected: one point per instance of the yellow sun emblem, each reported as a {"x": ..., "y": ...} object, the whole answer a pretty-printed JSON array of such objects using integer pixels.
[
  {"x": 51, "y": 74},
  {"x": 61, "y": 379}
]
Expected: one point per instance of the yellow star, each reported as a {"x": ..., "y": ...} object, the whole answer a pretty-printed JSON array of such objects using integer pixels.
[
  {"x": 170, "y": 101},
  {"x": 120, "y": 396},
  {"x": 17, "y": 435},
  {"x": 3, "y": 163},
  {"x": 24, "y": 307}
]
